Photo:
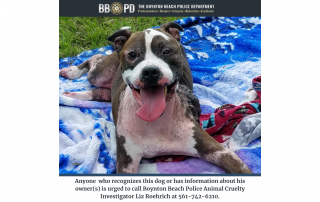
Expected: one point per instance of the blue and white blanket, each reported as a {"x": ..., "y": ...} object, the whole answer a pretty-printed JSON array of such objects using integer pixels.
[{"x": 224, "y": 55}]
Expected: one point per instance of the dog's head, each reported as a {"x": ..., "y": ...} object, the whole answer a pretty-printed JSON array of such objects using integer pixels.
[{"x": 150, "y": 62}]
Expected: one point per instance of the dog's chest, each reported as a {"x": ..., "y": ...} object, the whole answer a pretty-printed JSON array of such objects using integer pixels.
[{"x": 172, "y": 133}]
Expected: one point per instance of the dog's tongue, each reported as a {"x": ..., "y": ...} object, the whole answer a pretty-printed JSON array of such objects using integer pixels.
[{"x": 153, "y": 103}]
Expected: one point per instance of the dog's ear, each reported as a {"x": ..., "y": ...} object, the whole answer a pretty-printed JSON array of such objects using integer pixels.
[
  {"x": 173, "y": 29},
  {"x": 120, "y": 37}
]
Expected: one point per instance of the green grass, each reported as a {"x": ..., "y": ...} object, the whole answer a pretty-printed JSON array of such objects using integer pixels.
[{"x": 78, "y": 34}]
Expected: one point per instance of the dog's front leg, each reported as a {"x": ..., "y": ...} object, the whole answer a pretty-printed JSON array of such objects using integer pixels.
[
  {"x": 128, "y": 156},
  {"x": 210, "y": 150}
]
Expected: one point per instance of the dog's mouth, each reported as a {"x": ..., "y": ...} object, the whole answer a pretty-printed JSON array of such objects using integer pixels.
[{"x": 152, "y": 100}]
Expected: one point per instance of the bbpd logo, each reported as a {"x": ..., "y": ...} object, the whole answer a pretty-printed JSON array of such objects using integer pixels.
[{"x": 116, "y": 8}]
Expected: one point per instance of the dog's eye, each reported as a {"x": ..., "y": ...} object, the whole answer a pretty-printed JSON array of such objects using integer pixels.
[
  {"x": 132, "y": 55},
  {"x": 166, "y": 52}
]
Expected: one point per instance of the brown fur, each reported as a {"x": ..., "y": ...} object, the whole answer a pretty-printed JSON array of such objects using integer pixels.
[{"x": 123, "y": 158}]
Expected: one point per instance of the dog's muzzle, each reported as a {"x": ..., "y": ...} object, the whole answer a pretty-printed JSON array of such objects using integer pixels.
[{"x": 152, "y": 98}]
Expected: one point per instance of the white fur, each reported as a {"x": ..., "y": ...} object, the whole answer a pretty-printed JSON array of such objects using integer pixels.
[
  {"x": 132, "y": 76},
  {"x": 152, "y": 33}
]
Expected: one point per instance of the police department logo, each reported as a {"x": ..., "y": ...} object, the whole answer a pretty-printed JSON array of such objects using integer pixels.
[{"x": 116, "y": 8}]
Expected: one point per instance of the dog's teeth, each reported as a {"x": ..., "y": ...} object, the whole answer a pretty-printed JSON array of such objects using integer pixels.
[{"x": 165, "y": 90}]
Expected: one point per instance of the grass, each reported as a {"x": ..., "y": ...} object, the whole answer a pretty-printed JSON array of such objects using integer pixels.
[{"x": 78, "y": 34}]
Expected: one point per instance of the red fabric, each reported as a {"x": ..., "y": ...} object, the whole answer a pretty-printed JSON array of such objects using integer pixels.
[
  {"x": 256, "y": 84},
  {"x": 170, "y": 158},
  {"x": 227, "y": 118}
]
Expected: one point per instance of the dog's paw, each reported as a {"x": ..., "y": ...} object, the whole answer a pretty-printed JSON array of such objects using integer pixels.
[
  {"x": 72, "y": 72},
  {"x": 85, "y": 95},
  {"x": 63, "y": 73}
]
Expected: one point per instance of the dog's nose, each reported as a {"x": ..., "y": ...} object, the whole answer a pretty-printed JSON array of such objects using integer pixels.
[{"x": 151, "y": 73}]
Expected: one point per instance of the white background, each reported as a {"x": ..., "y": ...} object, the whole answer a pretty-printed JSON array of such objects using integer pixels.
[{"x": 29, "y": 105}]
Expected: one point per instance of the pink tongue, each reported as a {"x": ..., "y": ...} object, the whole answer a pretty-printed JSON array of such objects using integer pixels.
[{"x": 153, "y": 103}]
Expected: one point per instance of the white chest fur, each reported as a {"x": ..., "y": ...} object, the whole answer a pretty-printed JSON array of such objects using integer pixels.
[{"x": 170, "y": 134}]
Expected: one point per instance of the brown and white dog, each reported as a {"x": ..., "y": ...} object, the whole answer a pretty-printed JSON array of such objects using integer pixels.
[{"x": 153, "y": 105}]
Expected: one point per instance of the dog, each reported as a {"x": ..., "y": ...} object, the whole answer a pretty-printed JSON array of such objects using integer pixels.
[{"x": 149, "y": 81}]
